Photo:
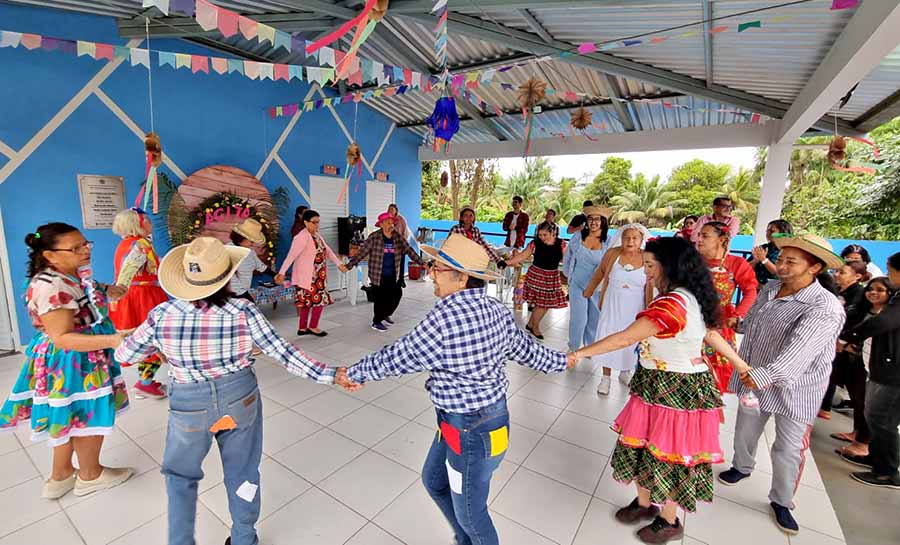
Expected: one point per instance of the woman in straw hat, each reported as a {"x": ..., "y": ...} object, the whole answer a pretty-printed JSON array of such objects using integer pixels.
[
  {"x": 669, "y": 429},
  {"x": 464, "y": 342},
  {"x": 247, "y": 234},
  {"x": 136, "y": 265},
  {"x": 789, "y": 340},
  {"x": 310, "y": 274},
  {"x": 207, "y": 336}
]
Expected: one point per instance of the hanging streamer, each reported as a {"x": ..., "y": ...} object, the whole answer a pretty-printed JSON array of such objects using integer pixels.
[{"x": 341, "y": 30}]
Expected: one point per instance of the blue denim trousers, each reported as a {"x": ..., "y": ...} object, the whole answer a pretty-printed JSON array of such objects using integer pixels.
[
  {"x": 193, "y": 409},
  {"x": 457, "y": 474}
]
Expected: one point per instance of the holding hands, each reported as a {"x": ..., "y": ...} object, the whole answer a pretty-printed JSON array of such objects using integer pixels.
[
  {"x": 279, "y": 279},
  {"x": 114, "y": 292},
  {"x": 341, "y": 379},
  {"x": 343, "y": 268}
]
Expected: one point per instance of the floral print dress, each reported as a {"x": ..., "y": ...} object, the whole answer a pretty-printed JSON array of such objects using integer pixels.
[
  {"x": 65, "y": 393},
  {"x": 317, "y": 295}
]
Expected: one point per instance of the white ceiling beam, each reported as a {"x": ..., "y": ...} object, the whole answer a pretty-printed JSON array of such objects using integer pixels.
[
  {"x": 707, "y": 41},
  {"x": 536, "y": 25},
  {"x": 716, "y": 136},
  {"x": 869, "y": 36}
]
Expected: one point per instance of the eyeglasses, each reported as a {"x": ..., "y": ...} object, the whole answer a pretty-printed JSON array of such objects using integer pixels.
[
  {"x": 594, "y": 219},
  {"x": 86, "y": 246}
]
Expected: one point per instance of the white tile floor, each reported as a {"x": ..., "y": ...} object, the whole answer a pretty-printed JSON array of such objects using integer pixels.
[{"x": 344, "y": 469}]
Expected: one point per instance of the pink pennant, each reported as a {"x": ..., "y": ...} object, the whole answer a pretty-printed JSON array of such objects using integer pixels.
[
  {"x": 251, "y": 69},
  {"x": 587, "y": 47},
  {"x": 206, "y": 15},
  {"x": 33, "y": 41},
  {"x": 355, "y": 78},
  {"x": 281, "y": 72},
  {"x": 755, "y": 118},
  {"x": 390, "y": 91},
  {"x": 104, "y": 51},
  {"x": 658, "y": 39},
  {"x": 844, "y": 4},
  {"x": 339, "y": 57},
  {"x": 220, "y": 65},
  {"x": 228, "y": 22},
  {"x": 248, "y": 27},
  {"x": 407, "y": 76},
  {"x": 718, "y": 29},
  {"x": 570, "y": 96},
  {"x": 199, "y": 63}
]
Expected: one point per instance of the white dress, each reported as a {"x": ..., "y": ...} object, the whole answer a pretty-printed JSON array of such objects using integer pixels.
[{"x": 624, "y": 299}]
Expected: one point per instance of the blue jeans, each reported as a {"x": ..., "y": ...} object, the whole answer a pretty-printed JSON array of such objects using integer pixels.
[
  {"x": 193, "y": 409},
  {"x": 584, "y": 317},
  {"x": 459, "y": 482}
]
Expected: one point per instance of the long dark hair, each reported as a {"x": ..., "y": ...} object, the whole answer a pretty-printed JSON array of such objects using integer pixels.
[
  {"x": 218, "y": 299},
  {"x": 298, "y": 219},
  {"x": 864, "y": 306},
  {"x": 43, "y": 239},
  {"x": 684, "y": 267},
  {"x": 783, "y": 226},
  {"x": 309, "y": 215},
  {"x": 463, "y": 211},
  {"x": 894, "y": 261},
  {"x": 604, "y": 228}
]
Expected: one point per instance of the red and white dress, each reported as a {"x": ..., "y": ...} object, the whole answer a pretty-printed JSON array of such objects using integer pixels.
[
  {"x": 543, "y": 285},
  {"x": 669, "y": 429}
]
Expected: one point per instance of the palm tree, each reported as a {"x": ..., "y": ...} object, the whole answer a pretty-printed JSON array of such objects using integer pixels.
[
  {"x": 645, "y": 201},
  {"x": 743, "y": 190},
  {"x": 528, "y": 184},
  {"x": 565, "y": 199}
]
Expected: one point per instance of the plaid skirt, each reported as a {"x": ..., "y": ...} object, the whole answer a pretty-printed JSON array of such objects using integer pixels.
[
  {"x": 687, "y": 406},
  {"x": 543, "y": 288}
]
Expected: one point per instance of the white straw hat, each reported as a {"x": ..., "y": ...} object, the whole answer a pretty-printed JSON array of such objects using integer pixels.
[
  {"x": 197, "y": 270},
  {"x": 464, "y": 255},
  {"x": 814, "y": 245},
  {"x": 251, "y": 230}
]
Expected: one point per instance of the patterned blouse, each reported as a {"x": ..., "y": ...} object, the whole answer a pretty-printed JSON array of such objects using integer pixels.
[{"x": 51, "y": 290}]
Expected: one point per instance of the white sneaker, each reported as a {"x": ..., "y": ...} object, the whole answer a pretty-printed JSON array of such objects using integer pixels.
[
  {"x": 625, "y": 377},
  {"x": 603, "y": 387},
  {"x": 109, "y": 477}
]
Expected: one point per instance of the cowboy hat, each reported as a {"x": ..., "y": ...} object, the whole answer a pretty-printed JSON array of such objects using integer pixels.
[
  {"x": 197, "y": 270},
  {"x": 383, "y": 216},
  {"x": 251, "y": 230},
  {"x": 813, "y": 245},
  {"x": 464, "y": 255},
  {"x": 593, "y": 211}
]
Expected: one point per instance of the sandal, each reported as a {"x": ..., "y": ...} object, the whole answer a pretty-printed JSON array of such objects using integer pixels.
[
  {"x": 824, "y": 415},
  {"x": 843, "y": 436}
]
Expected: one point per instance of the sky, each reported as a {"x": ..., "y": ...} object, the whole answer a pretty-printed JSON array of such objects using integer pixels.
[{"x": 584, "y": 167}]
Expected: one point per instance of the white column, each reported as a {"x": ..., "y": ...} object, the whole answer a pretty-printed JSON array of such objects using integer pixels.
[{"x": 774, "y": 185}]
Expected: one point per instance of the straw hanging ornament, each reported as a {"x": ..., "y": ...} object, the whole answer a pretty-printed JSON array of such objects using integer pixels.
[
  {"x": 581, "y": 119},
  {"x": 152, "y": 149},
  {"x": 530, "y": 94},
  {"x": 354, "y": 159},
  {"x": 837, "y": 154}
]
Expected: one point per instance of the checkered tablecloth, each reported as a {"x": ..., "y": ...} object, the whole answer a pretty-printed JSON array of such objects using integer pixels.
[{"x": 265, "y": 295}]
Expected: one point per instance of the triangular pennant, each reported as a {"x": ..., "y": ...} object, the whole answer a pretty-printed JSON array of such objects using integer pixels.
[
  {"x": 251, "y": 69},
  {"x": 182, "y": 60},
  {"x": 140, "y": 56},
  {"x": 104, "y": 51},
  {"x": 236, "y": 65},
  {"x": 752, "y": 24},
  {"x": 227, "y": 22},
  {"x": 283, "y": 40},
  {"x": 10, "y": 39},
  {"x": 85, "y": 48},
  {"x": 219, "y": 65},
  {"x": 265, "y": 33},
  {"x": 266, "y": 70},
  {"x": 199, "y": 63},
  {"x": 31, "y": 41},
  {"x": 326, "y": 56}
]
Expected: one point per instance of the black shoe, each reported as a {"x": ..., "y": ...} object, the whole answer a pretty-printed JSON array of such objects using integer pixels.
[
  {"x": 784, "y": 519},
  {"x": 660, "y": 531},
  {"x": 879, "y": 481},
  {"x": 843, "y": 407},
  {"x": 228, "y": 540},
  {"x": 633, "y": 512},
  {"x": 302, "y": 332},
  {"x": 732, "y": 477},
  {"x": 319, "y": 334},
  {"x": 857, "y": 460},
  {"x": 389, "y": 320}
]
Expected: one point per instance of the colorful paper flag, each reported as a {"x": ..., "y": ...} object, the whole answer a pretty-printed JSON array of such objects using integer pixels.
[
  {"x": 84, "y": 48},
  {"x": 718, "y": 29},
  {"x": 283, "y": 40},
  {"x": 207, "y": 15},
  {"x": 167, "y": 58},
  {"x": 161, "y": 5},
  {"x": 187, "y": 7},
  {"x": 251, "y": 69},
  {"x": 10, "y": 39},
  {"x": 236, "y": 65},
  {"x": 140, "y": 56},
  {"x": 752, "y": 24},
  {"x": 121, "y": 52},
  {"x": 247, "y": 27},
  {"x": 182, "y": 60},
  {"x": 31, "y": 41},
  {"x": 104, "y": 51},
  {"x": 295, "y": 72},
  {"x": 326, "y": 56},
  {"x": 282, "y": 72},
  {"x": 220, "y": 65},
  {"x": 844, "y": 4},
  {"x": 265, "y": 33},
  {"x": 227, "y": 22},
  {"x": 266, "y": 71},
  {"x": 199, "y": 63},
  {"x": 587, "y": 47}
]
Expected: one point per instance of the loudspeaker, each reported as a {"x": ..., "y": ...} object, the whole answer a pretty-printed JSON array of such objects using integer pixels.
[{"x": 350, "y": 231}]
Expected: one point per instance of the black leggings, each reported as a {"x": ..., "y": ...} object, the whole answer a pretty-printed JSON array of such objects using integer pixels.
[{"x": 848, "y": 371}]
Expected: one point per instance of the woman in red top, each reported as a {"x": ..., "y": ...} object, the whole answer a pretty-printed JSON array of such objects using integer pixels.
[
  {"x": 136, "y": 263},
  {"x": 728, "y": 273}
]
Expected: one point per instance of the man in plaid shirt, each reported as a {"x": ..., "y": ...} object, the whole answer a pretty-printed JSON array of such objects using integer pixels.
[
  {"x": 384, "y": 250},
  {"x": 464, "y": 342}
]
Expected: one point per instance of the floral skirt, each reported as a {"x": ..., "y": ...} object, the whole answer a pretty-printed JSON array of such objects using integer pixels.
[
  {"x": 317, "y": 295},
  {"x": 720, "y": 366},
  {"x": 669, "y": 436},
  {"x": 543, "y": 288},
  {"x": 64, "y": 393}
]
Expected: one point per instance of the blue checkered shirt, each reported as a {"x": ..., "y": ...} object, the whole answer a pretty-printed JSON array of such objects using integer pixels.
[{"x": 464, "y": 342}]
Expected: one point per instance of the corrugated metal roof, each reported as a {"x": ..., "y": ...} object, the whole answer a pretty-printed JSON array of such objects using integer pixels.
[{"x": 774, "y": 61}]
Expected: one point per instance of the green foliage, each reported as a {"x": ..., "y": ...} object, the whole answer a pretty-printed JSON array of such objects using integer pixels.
[
  {"x": 530, "y": 184},
  {"x": 647, "y": 201},
  {"x": 614, "y": 178},
  {"x": 699, "y": 173},
  {"x": 565, "y": 199}
]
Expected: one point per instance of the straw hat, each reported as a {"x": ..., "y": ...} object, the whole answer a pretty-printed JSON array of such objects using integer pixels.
[
  {"x": 814, "y": 245},
  {"x": 383, "y": 216},
  {"x": 593, "y": 211},
  {"x": 251, "y": 230},
  {"x": 193, "y": 271},
  {"x": 464, "y": 255}
]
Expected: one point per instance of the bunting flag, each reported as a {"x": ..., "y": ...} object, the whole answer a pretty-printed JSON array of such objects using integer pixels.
[
  {"x": 207, "y": 15},
  {"x": 167, "y": 59},
  {"x": 140, "y": 56},
  {"x": 227, "y": 22},
  {"x": 219, "y": 65},
  {"x": 282, "y": 40},
  {"x": 440, "y": 35},
  {"x": 247, "y": 27},
  {"x": 199, "y": 63},
  {"x": 265, "y": 33},
  {"x": 326, "y": 56},
  {"x": 84, "y": 48}
]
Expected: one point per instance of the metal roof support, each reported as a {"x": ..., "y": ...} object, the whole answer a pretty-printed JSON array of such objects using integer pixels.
[
  {"x": 532, "y": 43},
  {"x": 882, "y": 112},
  {"x": 182, "y": 27},
  {"x": 868, "y": 37},
  {"x": 629, "y": 120},
  {"x": 424, "y": 6},
  {"x": 535, "y": 25},
  {"x": 707, "y": 41},
  {"x": 720, "y": 136}
]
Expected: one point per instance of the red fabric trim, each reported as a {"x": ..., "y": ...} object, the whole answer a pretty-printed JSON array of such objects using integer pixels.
[
  {"x": 451, "y": 437},
  {"x": 669, "y": 312}
]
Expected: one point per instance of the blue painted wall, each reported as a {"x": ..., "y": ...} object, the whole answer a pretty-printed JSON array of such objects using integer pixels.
[
  {"x": 202, "y": 120},
  {"x": 879, "y": 250}
]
